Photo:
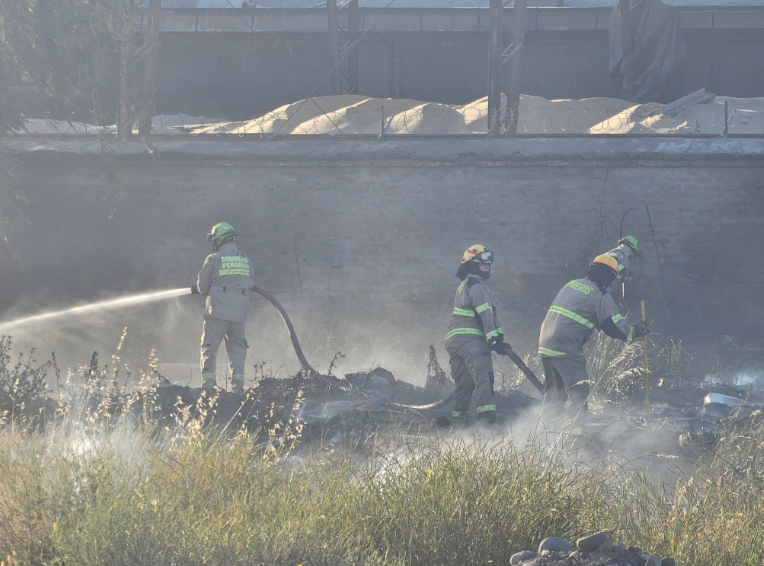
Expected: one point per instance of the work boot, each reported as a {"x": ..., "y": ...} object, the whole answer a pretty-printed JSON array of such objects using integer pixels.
[
  {"x": 487, "y": 417},
  {"x": 460, "y": 419},
  {"x": 209, "y": 384},
  {"x": 237, "y": 387}
]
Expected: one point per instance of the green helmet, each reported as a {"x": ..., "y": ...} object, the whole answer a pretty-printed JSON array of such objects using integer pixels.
[
  {"x": 633, "y": 243},
  {"x": 221, "y": 230}
]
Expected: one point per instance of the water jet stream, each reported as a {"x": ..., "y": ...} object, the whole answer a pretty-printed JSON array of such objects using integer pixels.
[{"x": 100, "y": 305}]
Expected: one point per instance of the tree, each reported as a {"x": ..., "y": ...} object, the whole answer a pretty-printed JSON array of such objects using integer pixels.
[{"x": 78, "y": 52}]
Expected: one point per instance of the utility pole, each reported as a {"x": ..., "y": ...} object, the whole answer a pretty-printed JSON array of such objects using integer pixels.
[
  {"x": 334, "y": 46},
  {"x": 494, "y": 67}
]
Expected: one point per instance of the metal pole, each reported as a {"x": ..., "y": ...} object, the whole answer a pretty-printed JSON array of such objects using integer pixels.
[
  {"x": 382, "y": 127},
  {"x": 726, "y": 118},
  {"x": 494, "y": 67},
  {"x": 334, "y": 46},
  {"x": 354, "y": 28},
  {"x": 515, "y": 67},
  {"x": 627, "y": 40},
  {"x": 647, "y": 371},
  {"x": 148, "y": 94}
]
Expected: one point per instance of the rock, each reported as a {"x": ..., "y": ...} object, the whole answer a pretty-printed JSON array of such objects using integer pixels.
[
  {"x": 668, "y": 561},
  {"x": 553, "y": 544},
  {"x": 611, "y": 561},
  {"x": 619, "y": 549},
  {"x": 634, "y": 550},
  {"x": 592, "y": 542},
  {"x": 574, "y": 555},
  {"x": 653, "y": 560},
  {"x": 519, "y": 557}
]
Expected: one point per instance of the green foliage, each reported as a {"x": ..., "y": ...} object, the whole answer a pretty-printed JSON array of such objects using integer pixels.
[{"x": 22, "y": 389}]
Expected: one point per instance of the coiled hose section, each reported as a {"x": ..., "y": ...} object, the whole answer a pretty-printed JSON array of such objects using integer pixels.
[{"x": 313, "y": 373}]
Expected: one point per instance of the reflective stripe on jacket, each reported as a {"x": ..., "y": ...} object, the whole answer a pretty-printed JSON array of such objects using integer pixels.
[
  {"x": 474, "y": 312},
  {"x": 227, "y": 279},
  {"x": 576, "y": 312}
]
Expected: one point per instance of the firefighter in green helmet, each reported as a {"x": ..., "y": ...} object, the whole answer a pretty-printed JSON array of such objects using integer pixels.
[
  {"x": 625, "y": 253},
  {"x": 628, "y": 249},
  {"x": 226, "y": 279}
]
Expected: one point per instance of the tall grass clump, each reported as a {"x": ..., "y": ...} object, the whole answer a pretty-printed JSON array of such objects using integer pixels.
[{"x": 205, "y": 499}]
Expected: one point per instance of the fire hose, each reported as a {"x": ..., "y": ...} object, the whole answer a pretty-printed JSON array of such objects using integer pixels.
[
  {"x": 506, "y": 350},
  {"x": 292, "y": 334}
]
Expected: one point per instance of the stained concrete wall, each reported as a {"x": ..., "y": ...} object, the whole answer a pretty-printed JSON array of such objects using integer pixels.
[{"x": 363, "y": 250}]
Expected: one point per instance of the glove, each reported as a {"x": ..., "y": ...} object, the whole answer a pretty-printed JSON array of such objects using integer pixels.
[
  {"x": 194, "y": 290},
  {"x": 641, "y": 329},
  {"x": 497, "y": 343}
]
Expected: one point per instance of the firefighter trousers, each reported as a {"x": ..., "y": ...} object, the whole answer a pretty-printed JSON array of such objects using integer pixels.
[
  {"x": 566, "y": 380},
  {"x": 214, "y": 331},
  {"x": 472, "y": 370}
]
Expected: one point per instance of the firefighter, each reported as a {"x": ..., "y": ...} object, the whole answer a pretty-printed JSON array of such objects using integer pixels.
[
  {"x": 226, "y": 279},
  {"x": 628, "y": 249},
  {"x": 580, "y": 308},
  {"x": 473, "y": 332}
]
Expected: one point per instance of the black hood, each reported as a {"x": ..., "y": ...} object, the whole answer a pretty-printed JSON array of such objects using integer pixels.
[
  {"x": 471, "y": 268},
  {"x": 601, "y": 275}
]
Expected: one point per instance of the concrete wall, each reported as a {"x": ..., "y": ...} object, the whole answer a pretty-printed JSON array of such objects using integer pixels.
[{"x": 363, "y": 254}]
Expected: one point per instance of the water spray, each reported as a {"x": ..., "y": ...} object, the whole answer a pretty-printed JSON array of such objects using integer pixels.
[
  {"x": 130, "y": 300},
  {"x": 142, "y": 298}
]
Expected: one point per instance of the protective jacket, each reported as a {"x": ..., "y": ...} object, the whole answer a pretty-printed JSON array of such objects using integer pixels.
[
  {"x": 578, "y": 309},
  {"x": 227, "y": 279},
  {"x": 474, "y": 315},
  {"x": 623, "y": 255}
]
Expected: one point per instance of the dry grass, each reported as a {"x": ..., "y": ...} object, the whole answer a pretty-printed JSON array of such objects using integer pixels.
[
  {"x": 185, "y": 496},
  {"x": 204, "y": 499}
]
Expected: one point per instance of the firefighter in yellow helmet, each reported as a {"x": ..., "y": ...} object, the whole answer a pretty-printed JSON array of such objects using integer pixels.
[
  {"x": 474, "y": 330},
  {"x": 227, "y": 279},
  {"x": 580, "y": 308}
]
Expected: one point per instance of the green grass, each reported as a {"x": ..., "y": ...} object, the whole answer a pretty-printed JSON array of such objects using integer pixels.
[{"x": 208, "y": 500}]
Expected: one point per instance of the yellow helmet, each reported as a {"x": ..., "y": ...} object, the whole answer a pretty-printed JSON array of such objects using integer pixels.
[
  {"x": 607, "y": 261},
  {"x": 477, "y": 253}
]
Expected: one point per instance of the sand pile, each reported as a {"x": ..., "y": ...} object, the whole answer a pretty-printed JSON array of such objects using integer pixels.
[{"x": 353, "y": 114}]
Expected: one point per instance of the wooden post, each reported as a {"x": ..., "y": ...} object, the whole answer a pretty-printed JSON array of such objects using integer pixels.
[
  {"x": 334, "y": 46},
  {"x": 647, "y": 371}
]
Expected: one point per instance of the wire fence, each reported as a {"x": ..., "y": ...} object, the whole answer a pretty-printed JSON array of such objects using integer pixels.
[{"x": 401, "y": 118}]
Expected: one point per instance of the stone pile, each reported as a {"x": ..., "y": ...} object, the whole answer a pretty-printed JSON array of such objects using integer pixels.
[{"x": 592, "y": 550}]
